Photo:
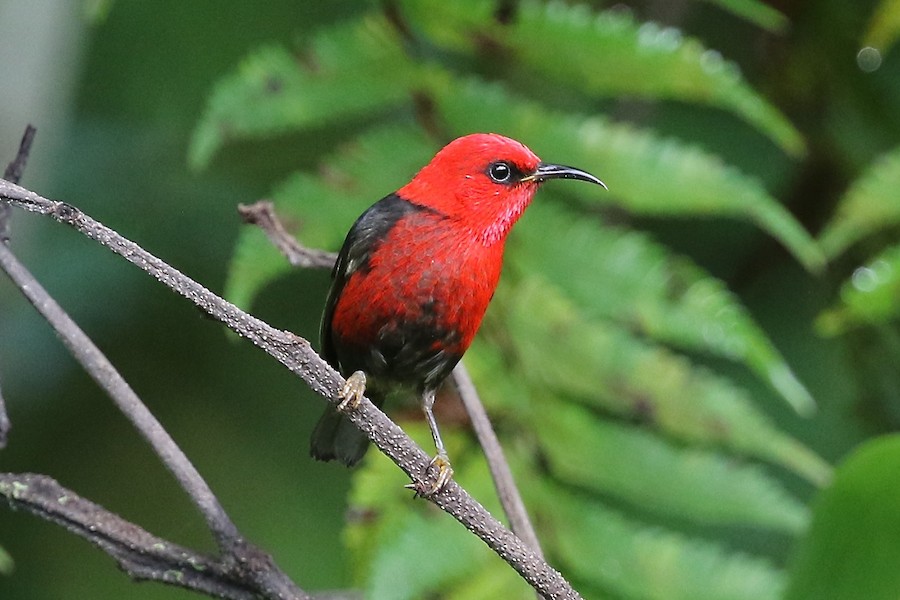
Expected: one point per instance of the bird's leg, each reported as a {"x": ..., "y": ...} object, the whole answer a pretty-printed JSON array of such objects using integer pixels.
[
  {"x": 352, "y": 392},
  {"x": 440, "y": 460}
]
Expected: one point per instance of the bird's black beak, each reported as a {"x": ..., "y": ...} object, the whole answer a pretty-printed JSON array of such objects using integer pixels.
[{"x": 547, "y": 171}]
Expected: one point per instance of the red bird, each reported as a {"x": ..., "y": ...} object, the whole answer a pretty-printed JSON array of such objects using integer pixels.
[{"x": 414, "y": 279}]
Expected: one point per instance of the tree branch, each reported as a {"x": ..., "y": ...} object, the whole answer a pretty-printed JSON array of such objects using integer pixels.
[
  {"x": 262, "y": 213},
  {"x": 106, "y": 376},
  {"x": 4, "y": 420},
  {"x": 296, "y": 354},
  {"x": 13, "y": 173},
  {"x": 256, "y": 570},
  {"x": 507, "y": 491},
  {"x": 140, "y": 554}
]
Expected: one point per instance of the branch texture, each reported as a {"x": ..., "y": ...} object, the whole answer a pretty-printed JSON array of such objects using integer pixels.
[
  {"x": 297, "y": 355},
  {"x": 140, "y": 554}
]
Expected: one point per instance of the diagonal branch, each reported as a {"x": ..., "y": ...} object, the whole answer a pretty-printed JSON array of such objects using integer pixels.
[
  {"x": 140, "y": 554},
  {"x": 254, "y": 569},
  {"x": 104, "y": 373},
  {"x": 507, "y": 490},
  {"x": 296, "y": 354},
  {"x": 262, "y": 214}
]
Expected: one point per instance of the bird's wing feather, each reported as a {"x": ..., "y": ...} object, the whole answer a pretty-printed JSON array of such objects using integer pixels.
[{"x": 369, "y": 230}]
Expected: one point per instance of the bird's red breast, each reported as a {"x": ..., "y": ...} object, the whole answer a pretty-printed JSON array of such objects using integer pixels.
[{"x": 429, "y": 273}]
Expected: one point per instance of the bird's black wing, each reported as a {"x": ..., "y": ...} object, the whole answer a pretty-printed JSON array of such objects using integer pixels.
[{"x": 363, "y": 239}]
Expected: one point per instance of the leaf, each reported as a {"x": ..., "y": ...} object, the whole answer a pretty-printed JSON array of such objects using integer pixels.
[
  {"x": 647, "y": 290},
  {"x": 870, "y": 205},
  {"x": 6, "y": 562},
  {"x": 646, "y": 174},
  {"x": 884, "y": 28},
  {"x": 422, "y": 555},
  {"x": 756, "y": 12},
  {"x": 587, "y": 451},
  {"x": 604, "y": 366},
  {"x": 352, "y": 69},
  {"x": 870, "y": 297},
  {"x": 598, "y": 545},
  {"x": 606, "y": 54},
  {"x": 851, "y": 549}
]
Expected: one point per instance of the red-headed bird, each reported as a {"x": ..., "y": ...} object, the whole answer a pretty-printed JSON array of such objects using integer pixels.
[{"x": 414, "y": 279}]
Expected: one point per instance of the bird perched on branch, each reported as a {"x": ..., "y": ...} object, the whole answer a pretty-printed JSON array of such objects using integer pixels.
[{"x": 414, "y": 279}]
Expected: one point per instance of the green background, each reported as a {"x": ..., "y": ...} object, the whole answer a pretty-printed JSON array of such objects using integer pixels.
[{"x": 115, "y": 97}]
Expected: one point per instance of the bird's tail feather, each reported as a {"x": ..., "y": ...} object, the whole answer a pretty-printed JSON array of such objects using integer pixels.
[{"x": 336, "y": 438}]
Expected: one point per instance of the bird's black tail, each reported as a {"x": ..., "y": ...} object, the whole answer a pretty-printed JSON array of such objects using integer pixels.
[{"x": 336, "y": 438}]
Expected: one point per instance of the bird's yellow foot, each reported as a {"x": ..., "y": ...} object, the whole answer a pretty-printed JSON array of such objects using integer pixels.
[
  {"x": 444, "y": 473},
  {"x": 352, "y": 392}
]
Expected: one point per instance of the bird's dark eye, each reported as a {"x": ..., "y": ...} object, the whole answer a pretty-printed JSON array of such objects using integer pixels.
[{"x": 501, "y": 172}]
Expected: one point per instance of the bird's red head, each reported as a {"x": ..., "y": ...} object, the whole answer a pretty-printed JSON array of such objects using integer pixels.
[{"x": 484, "y": 181}]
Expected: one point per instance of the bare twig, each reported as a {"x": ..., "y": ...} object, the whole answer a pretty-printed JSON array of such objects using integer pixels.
[
  {"x": 13, "y": 173},
  {"x": 106, "y": 376},
  {"x": 140, "y": 554},
  {"x": 271, "y": 580},
  {"x": 507, "y": 490},
  {"x": 4, "y": 422},
  {"x": 262, "y": 214},
  {"x": 296, "y": 354},
  {"x": 253, "y": 571}
]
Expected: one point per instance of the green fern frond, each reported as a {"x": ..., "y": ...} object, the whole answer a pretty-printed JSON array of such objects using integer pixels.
[
  {"x": 399, "y": 548},
  {"x": 871, "y": 204},
  {"x": 598, "y": 545},
  {"x": 349, "y": 70},
  {"x": 756, "y": 12},
  {"x": 602, "y": 54},
  {"x": 604, "y": 366},
  {"x": 645, "y": 174},
  {"x": 646, "y": 289},
  {"x": 884, "y": 27},
  {"x": 870, "y": 297},
  {"x": 637, "y": 466}
]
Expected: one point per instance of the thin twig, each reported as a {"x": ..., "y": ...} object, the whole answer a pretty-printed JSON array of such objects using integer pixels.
[
  {"x": 4, "y": 421},
  {"x": 140, "y": 554},
  {"x": 106, "y": 376},
  {"x": 507, "y": 490},
  {"x": 297, "y": 355},
  {"x": 262, "y": 213},
  {"x": 274, "y": 582},
  {"x": 13, "y": 172},
  {"x": 254, "y": 568}
]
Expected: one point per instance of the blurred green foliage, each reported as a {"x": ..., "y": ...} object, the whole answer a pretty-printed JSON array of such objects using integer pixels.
[{"x": 644, "y": 360}]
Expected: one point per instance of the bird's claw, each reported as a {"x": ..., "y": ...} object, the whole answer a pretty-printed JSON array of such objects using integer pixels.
[
  {"x": 445, "y": 472},
  {"x": 352, "y": 392}
]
